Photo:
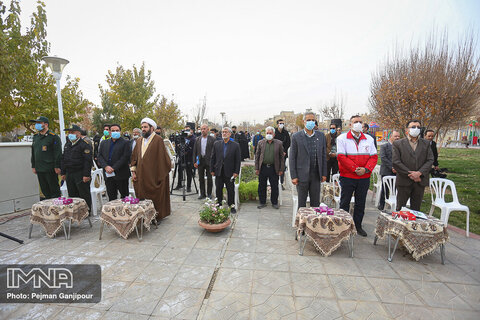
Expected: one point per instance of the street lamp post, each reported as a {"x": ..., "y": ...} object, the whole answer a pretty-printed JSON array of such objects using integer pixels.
[{"x": 57, "y": 64}]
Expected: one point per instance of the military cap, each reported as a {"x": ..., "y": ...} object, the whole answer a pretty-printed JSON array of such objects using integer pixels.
[{"x": 40, "y": 119}]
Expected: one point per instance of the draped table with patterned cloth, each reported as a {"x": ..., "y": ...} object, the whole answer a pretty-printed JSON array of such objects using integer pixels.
[
  {"x": 420, "y": 237},
  {"x": 326, "y": 231},
  {"x": 124, "y": 217},
  {"x": 51, "y": 216}
]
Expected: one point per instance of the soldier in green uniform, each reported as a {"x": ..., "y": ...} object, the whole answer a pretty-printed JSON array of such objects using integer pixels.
[
  {"x": 46, "y": 156},
  {"x": 77, "y": 165}
]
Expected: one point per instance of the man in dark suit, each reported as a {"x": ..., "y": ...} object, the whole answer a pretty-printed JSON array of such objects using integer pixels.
[
  {"x": 225, "y": 166},
  {"x": 332, "y": 162},
  {"x": 308, "y": 161},
  {"x": 269, "y": 164},
  {"x": 386, "y": 168},
  {"x": 366, "y": 129},
  {"x": 412, "y": 159},
  {"x": 429, "y": 135},
  {"x": 202, "y": 153},
  {"x": 283, "y": 135},
  {"x": 113, "y": 157}
]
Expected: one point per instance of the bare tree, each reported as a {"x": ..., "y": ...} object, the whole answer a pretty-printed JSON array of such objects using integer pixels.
[
  {"x": 434, "y": 82},
  {"x": 199, "y": 112},
  {"x": 334, "y": 109}
]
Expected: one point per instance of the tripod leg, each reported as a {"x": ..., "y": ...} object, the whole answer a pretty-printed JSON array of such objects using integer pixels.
[
  {"x": 30, "y": 231},
  {"x": 11, "y": 238}
]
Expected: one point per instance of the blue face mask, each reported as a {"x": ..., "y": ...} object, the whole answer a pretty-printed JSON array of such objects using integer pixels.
[
  {"x": 332, "y": 131},
  {"x": 72, "y": 137},
  {"x": 115, "y": 135},
  {"x": 38, "y": 126},
  {"x": 106, "y": 133},
  {"x": 310, "y": 125}
]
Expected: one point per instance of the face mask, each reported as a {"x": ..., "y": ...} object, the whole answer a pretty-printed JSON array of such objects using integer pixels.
[
  {"x": 146, "y": 134},
  {"x": 414, "y": 132},
  {"x": 269, "y": 136},
  {"x": 281, "y": 125},
  {"x": 310, "y": 125},
  {"x": 357, "y": 127},
  {"x": 115, "y": 135},
  {"x": 135, "y": 137},
  {"x": 225, "y": 136},
  {"x": 38, "y": 126},
  {"x": 212, "y": 135},
  {"x": 332, "y": 131},
  {"x": 106, "y": 133},
  {"x": 72, "y": 137},
  {"x": 258, "y": 132}
]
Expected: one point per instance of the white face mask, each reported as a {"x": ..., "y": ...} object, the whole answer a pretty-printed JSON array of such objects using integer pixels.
[
  {"x": 414, "y": 132},
  {"x": 212, "y": 135},
  {"x": 281, "y": 125},
  {"x": 357, "y": 127},
  {"x": 269, "y": 136},
  {"x": 224, "y": 136}
]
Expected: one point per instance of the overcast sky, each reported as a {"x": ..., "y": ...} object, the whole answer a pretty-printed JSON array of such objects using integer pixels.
[{"x": 251, "y": 59}]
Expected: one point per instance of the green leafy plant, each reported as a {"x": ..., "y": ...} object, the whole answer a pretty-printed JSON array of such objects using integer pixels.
[
  {"x": 248, "y": 174},
  {"x": 213, "y": 213},
  {"x": 248, "y": 191}
]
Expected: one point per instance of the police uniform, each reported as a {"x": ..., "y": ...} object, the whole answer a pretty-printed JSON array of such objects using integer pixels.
[
  {"x": 46, "y": 156},
  {"x": 76, "y": 164}
]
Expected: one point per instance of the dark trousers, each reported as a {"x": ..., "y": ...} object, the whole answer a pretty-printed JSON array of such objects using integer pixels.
[
  {"x": 267, "y": 173},
  {"x": 309, "y": 188},
  {"x": 77, "y": 188},
  {"x": 204, "y": 169},
  {"x": 189, "y": 172},
  {"x": 414, "y": 192},
  {"x": 359, "y": 188},
  {"x": 114, "y": 186},
  {"x": 220, "y": 181},
  {"x": 332, "y": 165},
  {"x": 383, "y": 194},
  {"x": 48, "y": 182}
]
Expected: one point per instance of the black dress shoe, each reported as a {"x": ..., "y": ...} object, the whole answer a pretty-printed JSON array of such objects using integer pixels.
[
  {"x": 361, "y": 232},
  {"x": 201, "y": 197},
  {"x": 178, "y": 187},
  {"x": 233, "y": 211},
  {"x": 283, "y": 188},
  {"x": 189, "y": 189},
  {"x": 275, "y": 206},
  {"x": 261, "y": 206}
]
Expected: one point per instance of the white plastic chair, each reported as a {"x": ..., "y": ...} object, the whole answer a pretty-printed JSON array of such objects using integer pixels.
[
  {"x": 389, "y": 184},
  {"x": 96, "y": 192},
  {"x": 337, "y": 188},
  {"x": 131, "y": 189},
  {"x": 280, "y": 201},
  {"x": 438, "y": 186},
  {"x": 377, "y": 185},
  {"x": 64, "y": 190},
  {"x": 294, "y": 205},
  {"x": 237, "y": 185}
]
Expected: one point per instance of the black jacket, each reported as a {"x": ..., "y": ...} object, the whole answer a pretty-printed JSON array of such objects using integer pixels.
[
  {"x": 197, "y": 149},
  {"x": 120, "y": 157},
  {"x": 283, "y": 136},
  {"x": 433, "y": 145},
  {"x": 77, "y": 157},
  {"x": 231, "y": 163}
]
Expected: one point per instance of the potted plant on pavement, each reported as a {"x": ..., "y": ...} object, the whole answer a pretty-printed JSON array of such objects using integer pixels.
[{"x": 214, "y": 217}]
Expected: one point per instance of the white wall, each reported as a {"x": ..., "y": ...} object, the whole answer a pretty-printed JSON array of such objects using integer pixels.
[{"x": 18, "y": 185}]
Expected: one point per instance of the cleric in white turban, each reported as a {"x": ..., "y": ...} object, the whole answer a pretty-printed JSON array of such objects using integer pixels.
[
  {"x": 150, "y": 166},
  {"x": 150, "y": 122}
]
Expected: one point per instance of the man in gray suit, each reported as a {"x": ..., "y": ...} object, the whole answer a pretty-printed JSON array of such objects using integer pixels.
[
  {"x": 202, "y": 153},
  {"x": 412, "y": 159},
  {"x": 308, "y": 161},
  {"x": 386, "y": 168}
]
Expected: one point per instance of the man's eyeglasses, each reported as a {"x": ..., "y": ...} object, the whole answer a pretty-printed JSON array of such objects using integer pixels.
[{"x": 415, "y": 127}]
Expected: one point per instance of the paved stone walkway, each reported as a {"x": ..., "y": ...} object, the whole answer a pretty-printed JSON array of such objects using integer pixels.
[{"x": 250, "y": 271}]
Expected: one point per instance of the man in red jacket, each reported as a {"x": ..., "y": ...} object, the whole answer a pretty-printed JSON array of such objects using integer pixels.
[{"x": 357, "y": 157}]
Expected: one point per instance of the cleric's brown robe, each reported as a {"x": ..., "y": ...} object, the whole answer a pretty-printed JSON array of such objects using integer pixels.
[{"x": 152, "y": 174}]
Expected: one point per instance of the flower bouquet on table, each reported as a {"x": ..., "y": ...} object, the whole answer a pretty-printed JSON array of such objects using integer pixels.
[
  {"x": 213, "y": 216},
  {"x": 62, "y": 200},
  {"x": 130, "y": 200},
  {"x": 323, "y": 209}
]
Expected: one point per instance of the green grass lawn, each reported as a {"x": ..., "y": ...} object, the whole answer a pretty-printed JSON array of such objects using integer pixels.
[{"x": 464, "y": 170}]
